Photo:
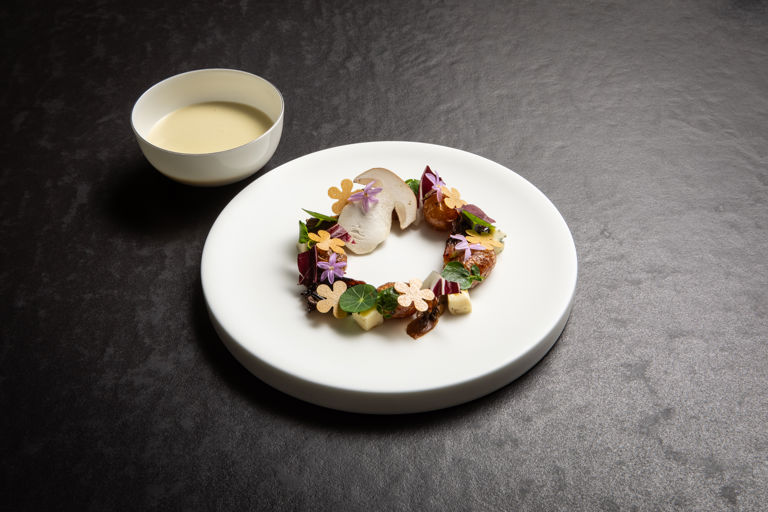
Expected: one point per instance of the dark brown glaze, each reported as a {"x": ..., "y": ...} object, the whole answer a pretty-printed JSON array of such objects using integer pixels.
[{"x": 426, "y": 321}]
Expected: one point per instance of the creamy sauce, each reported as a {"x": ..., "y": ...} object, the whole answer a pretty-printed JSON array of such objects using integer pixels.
[{"x": 209, "y": 127}]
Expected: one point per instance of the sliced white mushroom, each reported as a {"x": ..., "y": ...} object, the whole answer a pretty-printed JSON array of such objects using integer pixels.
[
  {"x": 398, "y": 191},
  {"x": 369, "y": 229}
]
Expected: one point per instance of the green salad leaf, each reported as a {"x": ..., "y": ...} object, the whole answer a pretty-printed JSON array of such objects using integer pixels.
[
  {"x": 478, "y": 224},
  {"x": 475, "y": 275},
  {"x": 315, "y": 224},
  {"x": 303, "y": 233},
  {"x": 320, "y": 216},
  {"x": 358, "y": 298},
  {"x": 455, "y": 271},
  {"x": 414, "y": 184}
]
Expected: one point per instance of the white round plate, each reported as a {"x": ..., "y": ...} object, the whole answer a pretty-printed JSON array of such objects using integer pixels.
[{"x": 249, "y": 278}]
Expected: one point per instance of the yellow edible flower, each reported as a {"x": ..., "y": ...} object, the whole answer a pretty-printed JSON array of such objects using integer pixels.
[
  {"x": 412, "y": 293},
  {"x": 331, "y": 298},
  {"x": 485, "y": 240},
  {"x": 326, "y": 243},
  {"x": 452, "y": 198},
  {"x": 341, "y": 195}
]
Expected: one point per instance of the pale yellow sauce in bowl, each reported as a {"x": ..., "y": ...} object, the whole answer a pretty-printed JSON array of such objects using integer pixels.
[{"x": 209, "y": 127}]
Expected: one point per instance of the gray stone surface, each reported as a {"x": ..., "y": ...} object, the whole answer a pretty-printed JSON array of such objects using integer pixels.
[{"x": 646, "y": 123}]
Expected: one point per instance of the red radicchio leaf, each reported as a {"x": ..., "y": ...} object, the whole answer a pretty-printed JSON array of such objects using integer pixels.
[
  {"x": 425, "y": 186},
  {"x": 338, "y": 231},
  {"x": 443, "y": 287},
  {"x": 475, "y": 210},
  {"x": 307, "y": 262}
]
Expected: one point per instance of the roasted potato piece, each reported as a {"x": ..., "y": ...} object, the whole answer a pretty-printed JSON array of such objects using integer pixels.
[
  {"x": 325, "y": 256},
  {"x": 438, "y": 215},
  {"x": 485, "y": 259}
]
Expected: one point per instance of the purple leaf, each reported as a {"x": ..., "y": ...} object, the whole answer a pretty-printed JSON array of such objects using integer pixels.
[
  {"x": 307, "y": 266},
  {"x": 337, "y": 231},
  {"x": 475, "y": 210},
  {"x": 430, "y": 181},
  {"x": 443, "y": 287}
]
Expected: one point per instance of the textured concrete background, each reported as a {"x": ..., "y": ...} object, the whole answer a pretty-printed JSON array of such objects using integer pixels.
[{"x": 646, "y": 123}]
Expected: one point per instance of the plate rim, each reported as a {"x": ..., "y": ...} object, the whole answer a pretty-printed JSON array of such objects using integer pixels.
[{"x": 424, "y": 398}]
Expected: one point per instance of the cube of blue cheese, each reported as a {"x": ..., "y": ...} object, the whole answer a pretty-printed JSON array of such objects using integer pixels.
[
  {"x": 459, "y": 303},
  {"x": 368, "y": 319}
]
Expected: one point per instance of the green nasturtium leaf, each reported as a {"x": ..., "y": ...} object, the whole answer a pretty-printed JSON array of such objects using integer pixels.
[
  {"x": 358, "y": 298},
  {"x": 386, "y": 301}
]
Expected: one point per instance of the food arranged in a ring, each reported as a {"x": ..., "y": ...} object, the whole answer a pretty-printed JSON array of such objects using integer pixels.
[{"x": 362, "y": 219}]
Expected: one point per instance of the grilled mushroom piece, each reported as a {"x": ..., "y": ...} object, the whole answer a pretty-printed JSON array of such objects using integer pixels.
[{"x": 438, "y": 215}]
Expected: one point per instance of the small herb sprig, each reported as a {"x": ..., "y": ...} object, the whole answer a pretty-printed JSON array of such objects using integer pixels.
[{"x": 455, "y": 271}]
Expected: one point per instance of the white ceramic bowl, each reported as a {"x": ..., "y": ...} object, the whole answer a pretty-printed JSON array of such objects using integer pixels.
[{"x": 204, "y": 85}]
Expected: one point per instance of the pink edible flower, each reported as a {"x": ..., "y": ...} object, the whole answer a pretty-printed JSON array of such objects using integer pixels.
[
  {"x": 466, "y": 246},
  {"x": 436, "y": 181},
  {"x": 331, "y": 269},
  {"x": 366, "y": 196}
]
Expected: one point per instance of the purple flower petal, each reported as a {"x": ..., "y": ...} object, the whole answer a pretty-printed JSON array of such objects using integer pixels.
[
  {"x": 475, "y": 210},
  {"x": 465, "y": 246},
  {"x": 366, "y": 196},
  {"x": 331, "y": 268},
  {"x": 436, "y": 182},
  {"x": 337, "y": 231}
]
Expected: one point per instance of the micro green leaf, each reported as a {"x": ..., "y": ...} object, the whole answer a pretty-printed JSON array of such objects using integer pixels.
[
  {"x": 414, "y": 184},
  {"x": 303, "y": 233},
  {"x": 455, "y": 271},
  {"x": 386, "y": 301},
  {"x": 320, "y": 216}
]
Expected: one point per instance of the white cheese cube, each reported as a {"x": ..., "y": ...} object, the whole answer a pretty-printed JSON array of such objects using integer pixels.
[
  {"x": 459, "y": 303},
  {"x": 368, "y": 319}
]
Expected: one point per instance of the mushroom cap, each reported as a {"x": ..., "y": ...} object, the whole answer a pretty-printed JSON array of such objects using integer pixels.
[
  {"x": 369, "y": 229},
  {"x": 398, "y": 191}
]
